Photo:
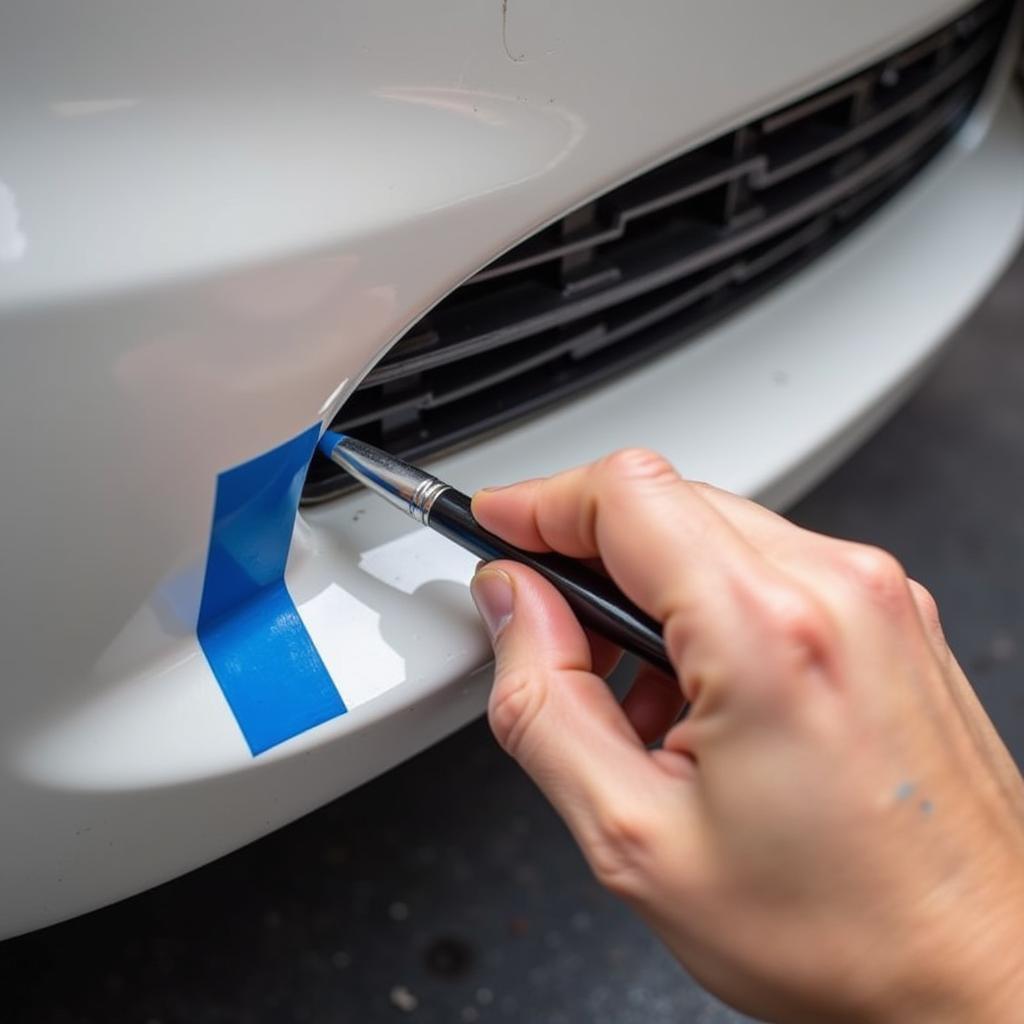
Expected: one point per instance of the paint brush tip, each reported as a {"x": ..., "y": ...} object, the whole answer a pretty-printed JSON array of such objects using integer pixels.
[{"x": 330, "y": 440}]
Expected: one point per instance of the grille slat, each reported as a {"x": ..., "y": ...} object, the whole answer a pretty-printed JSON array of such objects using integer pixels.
[
  {"x": 676, "y": 252},
  {"x": 933, "y": 87},
  {"x": 657, "y": 259}
]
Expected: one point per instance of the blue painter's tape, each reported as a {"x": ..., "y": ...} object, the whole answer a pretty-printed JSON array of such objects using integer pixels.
[{"x": 249, "y": 628}]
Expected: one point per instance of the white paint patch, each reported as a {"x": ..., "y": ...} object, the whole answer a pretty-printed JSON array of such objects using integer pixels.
[
  {"x": 360, "y": 671},
  {"x": 408, "y": 562}
]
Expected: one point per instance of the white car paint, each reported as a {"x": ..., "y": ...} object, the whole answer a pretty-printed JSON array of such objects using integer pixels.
[{"x": 215, "y": 218}]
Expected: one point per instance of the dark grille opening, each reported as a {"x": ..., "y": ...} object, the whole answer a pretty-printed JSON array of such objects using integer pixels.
[{"x": 656, "y": 260}]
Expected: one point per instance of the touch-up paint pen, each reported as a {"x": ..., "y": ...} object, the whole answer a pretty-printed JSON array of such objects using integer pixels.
[{"x": 594, "y": 599}]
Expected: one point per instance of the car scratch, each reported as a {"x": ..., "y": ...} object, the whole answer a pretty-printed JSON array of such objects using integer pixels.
[{"x": 504, "y": 35}]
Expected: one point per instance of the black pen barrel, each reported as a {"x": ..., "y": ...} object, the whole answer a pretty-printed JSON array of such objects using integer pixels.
[{"x": 594, "y": 599}]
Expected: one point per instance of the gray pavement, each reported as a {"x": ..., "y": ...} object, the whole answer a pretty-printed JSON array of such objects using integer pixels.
[{"x": 447, "y": 891}]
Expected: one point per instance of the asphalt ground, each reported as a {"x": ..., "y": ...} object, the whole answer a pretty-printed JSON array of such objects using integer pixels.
[{"x": 447, "y": 891}]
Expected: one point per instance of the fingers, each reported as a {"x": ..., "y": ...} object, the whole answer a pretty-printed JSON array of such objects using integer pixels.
[
  {"x": 857, "y": 581},
  {"x": 545, "y": 685},
  {"x": 729, "y": 614},
  {"x": 664, "y": 545},
  {"x": 509, "y": 512},
  {"x": 827, "y": 564},
  {"x": 555, "y": 716},
  {"x": 754, "y": 608},
  {"x": 604, "y": 655}
]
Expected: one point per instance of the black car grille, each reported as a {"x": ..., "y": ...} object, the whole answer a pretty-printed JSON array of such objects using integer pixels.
[{"x": 652, "y": 262}]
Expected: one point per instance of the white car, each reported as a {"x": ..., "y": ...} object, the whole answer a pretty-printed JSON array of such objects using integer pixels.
[{"x": 503, "y": 237}]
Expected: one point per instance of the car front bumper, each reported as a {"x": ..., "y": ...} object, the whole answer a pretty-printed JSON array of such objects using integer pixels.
[{"x": 122, "y": 763}]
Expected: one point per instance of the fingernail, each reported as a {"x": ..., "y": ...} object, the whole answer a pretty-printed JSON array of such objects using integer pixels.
[{"x": 492, "y": 592}]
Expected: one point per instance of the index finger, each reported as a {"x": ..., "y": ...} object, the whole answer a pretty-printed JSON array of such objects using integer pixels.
[{"x": 664, "y": 545}]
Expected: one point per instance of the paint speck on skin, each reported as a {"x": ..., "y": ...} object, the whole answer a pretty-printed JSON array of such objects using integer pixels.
[{"x": 905, "y": 790}]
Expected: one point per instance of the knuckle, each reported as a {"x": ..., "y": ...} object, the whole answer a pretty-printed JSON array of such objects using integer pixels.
[
  {"x": 638, "y": 464},
  {"x": 516, "y": 701},
  {"x": 678, "y": 630},
  {"x": 927, "y": 606},
  {"x": 798, "y": 619},
  {"x": 622, "y": 853},
  {"x": 877, "y": 573}
]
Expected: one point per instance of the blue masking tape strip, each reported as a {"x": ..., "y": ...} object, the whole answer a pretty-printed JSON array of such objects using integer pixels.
[{"x": 249, "y": 628}]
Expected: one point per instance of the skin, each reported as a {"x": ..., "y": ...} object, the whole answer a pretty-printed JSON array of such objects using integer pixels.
[{"x": 835, "y": 831}]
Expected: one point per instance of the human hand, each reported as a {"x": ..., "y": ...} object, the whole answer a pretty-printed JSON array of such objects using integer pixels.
[{"x": 835, "y": 830}]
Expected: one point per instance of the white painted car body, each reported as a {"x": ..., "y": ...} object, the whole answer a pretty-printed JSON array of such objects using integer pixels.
[{"x": 214, "y": 219}]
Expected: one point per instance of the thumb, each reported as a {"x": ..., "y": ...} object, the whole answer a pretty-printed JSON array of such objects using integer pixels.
[{"x": 555, "y": 716}]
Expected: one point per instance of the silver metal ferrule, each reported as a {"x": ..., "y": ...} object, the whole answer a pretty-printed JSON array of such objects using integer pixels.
[
  {"x": 424, "y": 497},
  {"x": 407, "y": 488}
]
